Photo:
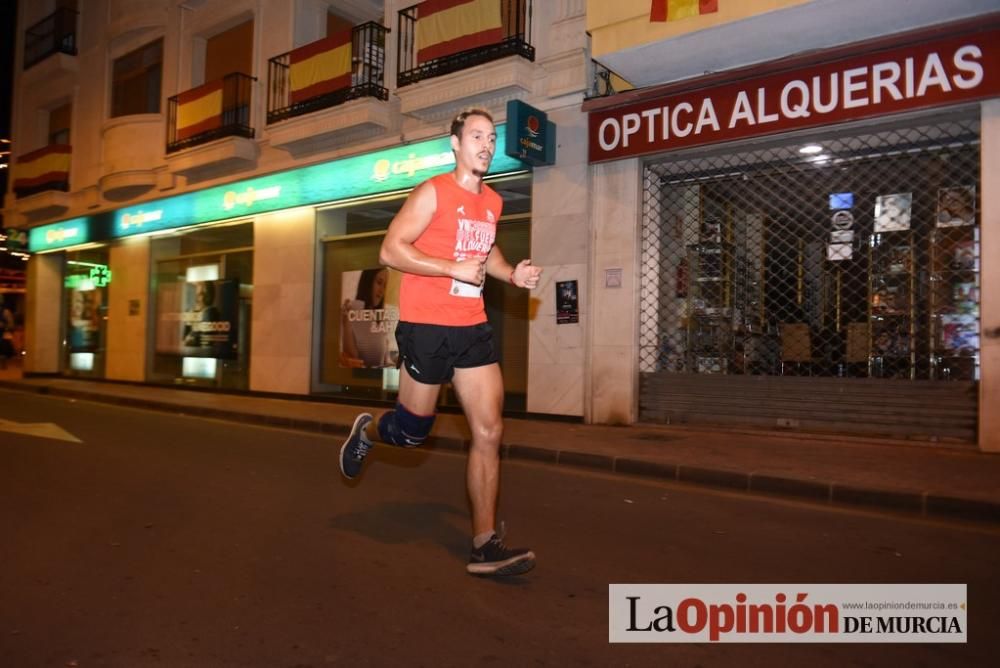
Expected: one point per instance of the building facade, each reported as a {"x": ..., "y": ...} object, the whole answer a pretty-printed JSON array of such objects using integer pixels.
[
  {"x": 786, "y": 233},
  {"x": 205, "y": 185}
]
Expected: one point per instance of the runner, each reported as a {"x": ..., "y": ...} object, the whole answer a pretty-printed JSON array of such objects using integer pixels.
[{"x": 442, "y": 240}]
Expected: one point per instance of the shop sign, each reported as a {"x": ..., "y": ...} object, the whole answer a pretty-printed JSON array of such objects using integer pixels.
[
  {"x": 59, "y": 235},
  {"x": 929, "y": 74},
  {"x": 532, "y": 136},
  {"x": 399, "y": 168}
]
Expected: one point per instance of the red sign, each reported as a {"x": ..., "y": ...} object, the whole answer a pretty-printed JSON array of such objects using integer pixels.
[{"x": 929, "y": 74}]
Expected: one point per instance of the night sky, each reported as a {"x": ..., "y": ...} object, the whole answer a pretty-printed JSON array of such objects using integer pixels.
[{"x": 8, "y": 25}]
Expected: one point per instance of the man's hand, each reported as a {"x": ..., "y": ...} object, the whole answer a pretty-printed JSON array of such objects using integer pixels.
[
  {"x": 470, "y": 270},
  {"x": 526, "y": 275}
]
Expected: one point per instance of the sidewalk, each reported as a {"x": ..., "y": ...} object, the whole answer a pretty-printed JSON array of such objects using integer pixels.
[{"x": 940, "y": 481}]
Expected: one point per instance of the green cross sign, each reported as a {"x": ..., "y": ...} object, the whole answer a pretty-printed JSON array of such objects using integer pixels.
[{"x": 100, "y": 275}]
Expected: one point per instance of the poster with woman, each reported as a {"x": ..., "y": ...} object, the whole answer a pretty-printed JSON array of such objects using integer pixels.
[
  {"x": 198, "y": 319},
  {"x": 369, "y": 313},
  {"x": 84, "y": 320}
]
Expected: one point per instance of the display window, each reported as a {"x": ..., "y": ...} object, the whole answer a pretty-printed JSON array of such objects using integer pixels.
[
  {"x": 848, "y": 252},
  {"x": 202, "y": 295},
  {"x": 360, "y": 299},
  {"x": 86, "y": 279}
]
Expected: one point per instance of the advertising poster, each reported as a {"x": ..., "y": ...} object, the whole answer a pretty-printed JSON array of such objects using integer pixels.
[
  {"x": 84, "y": 320},
  {"x": 198, "y": 319},
  {"x": 892, "y": 212},
  {"x": 956, "y": 207},
  {"x": 369, "y": 313},
  {"x": 567, "y": 303}
]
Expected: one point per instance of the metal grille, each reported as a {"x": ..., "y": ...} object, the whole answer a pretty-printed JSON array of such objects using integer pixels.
[{"x": 854, "y": 253}]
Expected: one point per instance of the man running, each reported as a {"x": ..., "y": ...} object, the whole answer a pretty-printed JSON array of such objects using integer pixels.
[{"x": 442, "y": 240}]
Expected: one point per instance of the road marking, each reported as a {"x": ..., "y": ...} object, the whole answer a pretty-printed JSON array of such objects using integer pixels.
[{"x": 39, "y": 429}]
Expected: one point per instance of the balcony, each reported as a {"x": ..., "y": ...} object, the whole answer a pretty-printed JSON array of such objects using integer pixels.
[
  {"x": 476, "y": 53},
  {"x": 330, "y": 91},
  {"x": 131, "y": 152},
  {"x": 55, "y": 33},
  {"x": 209, "y": 130},
  {"x": 41, "y": 181}
]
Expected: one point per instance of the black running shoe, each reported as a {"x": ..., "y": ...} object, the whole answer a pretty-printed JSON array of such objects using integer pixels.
[
  {"x": 355, "y": 448},
  {"x": 495, "y": 558}
]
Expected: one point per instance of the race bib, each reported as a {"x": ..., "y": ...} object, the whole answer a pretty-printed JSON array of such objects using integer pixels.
[{"x": 463, "y": 289}]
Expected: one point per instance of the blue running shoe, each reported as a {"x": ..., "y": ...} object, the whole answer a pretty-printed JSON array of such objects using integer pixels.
[{"x": 355, "y": 448}]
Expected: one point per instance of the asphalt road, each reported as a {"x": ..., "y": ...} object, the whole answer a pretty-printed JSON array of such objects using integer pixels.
[{"x": 164, "y": 540}]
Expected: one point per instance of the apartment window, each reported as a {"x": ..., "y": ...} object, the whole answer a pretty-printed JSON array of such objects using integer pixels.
[
  {"x": 136, "y": 81},
  {"x": 59, "y": 121},
  {"x": 230, "y": 51}
]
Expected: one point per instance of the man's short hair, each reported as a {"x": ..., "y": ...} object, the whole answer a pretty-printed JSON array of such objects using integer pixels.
[{"x": 458, "y": 124}]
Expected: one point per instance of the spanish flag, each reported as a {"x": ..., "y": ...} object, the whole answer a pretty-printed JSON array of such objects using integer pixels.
[
  {"x": 672, "y": 10},
  {"x": 321, "y": 67},
  {"x": 445, "y": 27},
  {"x": 47, "y": 165},
  {"x": 199, "y": 110}
]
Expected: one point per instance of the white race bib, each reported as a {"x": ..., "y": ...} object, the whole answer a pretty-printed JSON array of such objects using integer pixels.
[{"x": 463, "y": 289}]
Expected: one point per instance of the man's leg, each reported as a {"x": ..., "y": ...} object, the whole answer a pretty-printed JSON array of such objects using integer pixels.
[
  {"x": 480, "y": 389},
  {"x": 407, "y": 425}
]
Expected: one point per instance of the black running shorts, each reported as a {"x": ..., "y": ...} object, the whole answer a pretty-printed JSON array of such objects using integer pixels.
[{"x": 431, "y": 353}]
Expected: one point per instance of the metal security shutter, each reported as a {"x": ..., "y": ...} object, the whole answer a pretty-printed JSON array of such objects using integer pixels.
[{"x": 826, "y": 282}]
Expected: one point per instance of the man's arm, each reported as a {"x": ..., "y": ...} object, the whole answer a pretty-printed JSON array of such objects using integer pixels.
[
  {"x": 399, "y": 252},
  {"x": 524, "y": 275}
]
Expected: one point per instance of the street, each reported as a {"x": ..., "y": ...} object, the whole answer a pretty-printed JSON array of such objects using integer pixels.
[{"x": 166, "y": 540}]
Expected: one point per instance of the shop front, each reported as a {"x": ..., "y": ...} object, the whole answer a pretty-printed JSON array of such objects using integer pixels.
[
  {"x": 79, "y": 278},
  {"x": 809, "y": 239},
  {"x": 270, "y": 284}
]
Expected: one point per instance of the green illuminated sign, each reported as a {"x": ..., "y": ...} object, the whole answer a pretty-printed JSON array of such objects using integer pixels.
[
  {"x": 67, "y": 233},
  {"x": 399, "y": 168},
  {"x": 100, "y": 276}
]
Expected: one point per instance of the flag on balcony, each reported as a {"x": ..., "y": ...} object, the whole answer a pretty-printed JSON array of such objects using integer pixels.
[
  {"x": 47, "y": 165},
  {"x": 672, "y": 10},
  {"x": 445, "y": 27},
  {"x": 199, "y": 110},
  {"x": 321, "y": 67}
]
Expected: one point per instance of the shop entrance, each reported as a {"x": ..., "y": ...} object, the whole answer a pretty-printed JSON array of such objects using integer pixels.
[{"x": 825, "y": 281}]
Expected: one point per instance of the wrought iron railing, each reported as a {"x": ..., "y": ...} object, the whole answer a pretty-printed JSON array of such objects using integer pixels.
[
  {"x": 514, "y": 40},
  {"x": 601, "y": 81},
  {"x": 367, "y": 77},
  {"x": 233, "y": 116},
  {"x": 56, "y": 33}
]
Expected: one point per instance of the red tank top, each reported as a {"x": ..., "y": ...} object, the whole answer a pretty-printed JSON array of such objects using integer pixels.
[{"x": 464, "y": 225}]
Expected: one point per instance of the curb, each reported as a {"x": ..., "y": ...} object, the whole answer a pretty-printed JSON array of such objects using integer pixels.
[{"x": 910, "y": 503}]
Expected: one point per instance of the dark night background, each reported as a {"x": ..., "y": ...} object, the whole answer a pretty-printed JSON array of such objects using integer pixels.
[{"x": 8, "y": 24}]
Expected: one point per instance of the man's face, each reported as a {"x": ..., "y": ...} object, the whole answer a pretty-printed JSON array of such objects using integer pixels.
[{"x": 474, "y": 150}]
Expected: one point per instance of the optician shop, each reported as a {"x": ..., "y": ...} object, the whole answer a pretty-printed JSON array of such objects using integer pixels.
[{"x": 810, "y": 236}]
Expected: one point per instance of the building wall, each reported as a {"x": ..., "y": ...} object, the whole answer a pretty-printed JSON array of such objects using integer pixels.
[
  {"x": 611, "y": 377},
  {"x": 284, "y": 258},
  {"x": 43, "y": 317},
  {"x": 624, "y": 24},
  {"x": 128, "y": 327},
  {"x": 560, "y": 236}
]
